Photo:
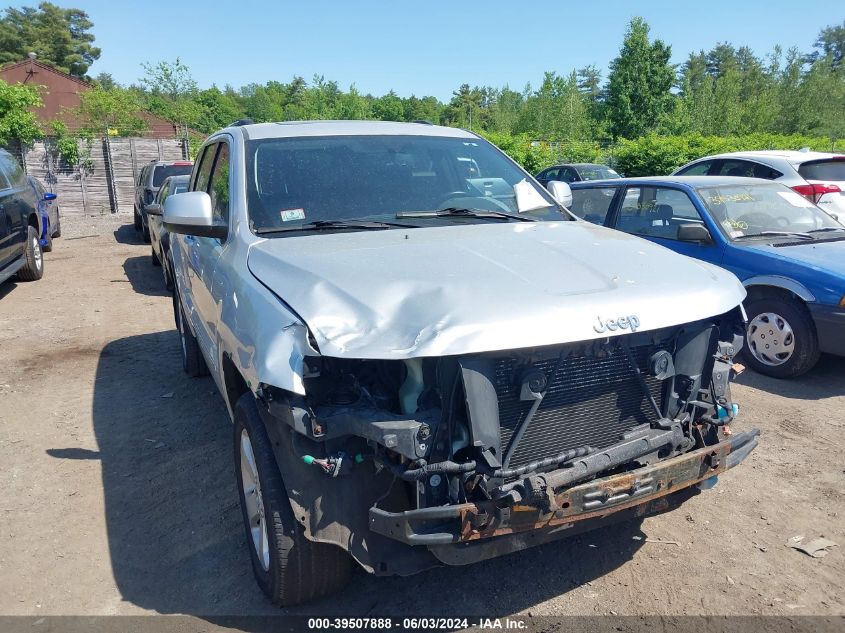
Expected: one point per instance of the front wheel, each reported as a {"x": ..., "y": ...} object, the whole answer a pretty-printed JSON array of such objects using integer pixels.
[
  {"x": 154, "y": 258},
  {"x": 33, "y": 268},
  {"x": 288, "y": 567},
  {"x": 781, "y": 339}
]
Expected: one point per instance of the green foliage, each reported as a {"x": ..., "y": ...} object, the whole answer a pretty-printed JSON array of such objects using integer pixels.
[
  {"x": 109, "y": 112},
  {"x": 660, "y": 155},
  {"x": 61, "y": 37},
  {"x": 639, "y": 83},
  {"x": 66, "y": 147},
  {"x": 17, "y": 122}
]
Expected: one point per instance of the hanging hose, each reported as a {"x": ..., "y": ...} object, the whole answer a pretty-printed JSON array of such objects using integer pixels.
[{"x": 455, "y": 468}]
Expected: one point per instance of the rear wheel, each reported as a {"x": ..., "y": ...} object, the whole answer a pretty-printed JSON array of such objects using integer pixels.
[
  {"x": 192, "y": 361},
  {"x": 781, "y": 339},
  {"x": 288, "y": 567},
  {"x": 33, "y": 268}
]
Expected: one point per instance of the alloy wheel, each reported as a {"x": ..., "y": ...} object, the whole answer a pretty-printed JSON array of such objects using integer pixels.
[{"x": 253, "y": 502}]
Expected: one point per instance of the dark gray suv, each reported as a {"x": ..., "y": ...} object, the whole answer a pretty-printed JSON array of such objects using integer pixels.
[
  {"x": 149, "y": 182},
  {"x": 20, "y": 224}
]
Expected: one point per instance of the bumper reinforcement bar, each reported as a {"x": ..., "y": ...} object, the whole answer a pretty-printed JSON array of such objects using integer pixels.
[{"x": 466, "y": 522}]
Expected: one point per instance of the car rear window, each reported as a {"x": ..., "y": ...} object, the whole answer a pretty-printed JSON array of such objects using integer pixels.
[
  {"x": 163, "y": 171},
  {"x": 823, "y": 170}
]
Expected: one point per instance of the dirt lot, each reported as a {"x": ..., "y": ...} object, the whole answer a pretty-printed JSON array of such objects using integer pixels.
[{"x": 118, "y": 489}]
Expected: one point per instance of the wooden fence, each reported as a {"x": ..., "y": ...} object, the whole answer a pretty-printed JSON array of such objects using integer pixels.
[{"x": 106, "y": 184}]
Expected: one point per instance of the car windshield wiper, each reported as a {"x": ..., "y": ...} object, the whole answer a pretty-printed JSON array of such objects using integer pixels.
[
  {"x": 803, "y": 236},
  {"x": 331, "y": 225},
  {"x": 827, "y": 229},
  {"x": 461, "y": 212}
]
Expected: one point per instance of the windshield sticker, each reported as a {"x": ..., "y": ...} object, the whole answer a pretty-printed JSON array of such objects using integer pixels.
[
  {"x": 738, "y": 225},
  {"x": 289, "y": 215},
  {"x": 795, "y": 199},
  {"x": 737, "y": 197},
  {"x": 736, "y": 234}
]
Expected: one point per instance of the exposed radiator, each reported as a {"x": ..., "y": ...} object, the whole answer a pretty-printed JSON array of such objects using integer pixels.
[{"x": 591, "y": 401}]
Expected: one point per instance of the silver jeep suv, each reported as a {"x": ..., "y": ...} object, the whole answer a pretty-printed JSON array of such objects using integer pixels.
[{"x": 428, "y": 360}]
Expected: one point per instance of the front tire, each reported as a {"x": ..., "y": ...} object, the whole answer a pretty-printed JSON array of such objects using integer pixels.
[
  {"x": 781, "y": 339},
  {"x": 58, "y": 232},
  {"x": 154, "y": 258},
  {"x": 288, "y": 567},
  {"x": 33, "y": 269},
  {"x": 136, "y": 221}
]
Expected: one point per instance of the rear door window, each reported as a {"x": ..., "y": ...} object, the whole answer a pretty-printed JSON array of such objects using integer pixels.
[
  {"x": 746, "y": 169},
  {"x": 823, "y": 170},
  {"x": 567, "y": 174},
  {"x": 593, "y": 204}
]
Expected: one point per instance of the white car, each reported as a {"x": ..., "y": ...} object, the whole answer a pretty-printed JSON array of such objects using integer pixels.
[{"x": 818, "y": 176}]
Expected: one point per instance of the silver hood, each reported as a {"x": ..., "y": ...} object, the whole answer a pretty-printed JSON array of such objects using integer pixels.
[{"x": 462, "y": 289}]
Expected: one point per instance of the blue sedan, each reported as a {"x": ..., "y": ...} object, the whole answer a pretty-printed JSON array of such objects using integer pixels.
[{"x": 789, "y": 254}]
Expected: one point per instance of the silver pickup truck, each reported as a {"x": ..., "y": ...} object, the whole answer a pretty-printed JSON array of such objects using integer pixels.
[{"x": 428, "y": 360}]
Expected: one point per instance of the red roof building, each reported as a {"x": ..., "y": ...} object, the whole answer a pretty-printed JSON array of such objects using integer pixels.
[{"x": 60, "y": 93}]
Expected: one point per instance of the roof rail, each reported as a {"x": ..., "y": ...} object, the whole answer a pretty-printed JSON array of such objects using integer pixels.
[
  {"x": 241, "y": 122},
  {"x": 422, "y": 122}
]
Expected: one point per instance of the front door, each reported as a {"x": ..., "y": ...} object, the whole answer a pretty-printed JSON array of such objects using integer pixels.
[
  {"x": 204, "y": 253},
  {"x": 656, "y": 212}
]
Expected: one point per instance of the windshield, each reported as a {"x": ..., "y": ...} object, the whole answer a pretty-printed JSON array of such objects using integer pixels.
[
  {"x": 164, "y": 171},
  {"x": 597, "y": 172},
  {"x": 757, "y": 209},
  {"x": 299, "y": 181}
]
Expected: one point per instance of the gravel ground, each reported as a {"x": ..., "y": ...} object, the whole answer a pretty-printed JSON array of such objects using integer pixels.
[{"x": 118, "y": 487}]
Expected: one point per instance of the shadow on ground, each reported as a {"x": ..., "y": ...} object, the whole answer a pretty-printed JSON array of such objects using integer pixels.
[
  {"x": 7, "y": 287},
  {"x": 145, "y": 278},
  {"x": 825, "y": 380},
  {"x": 126, "y": 234}
]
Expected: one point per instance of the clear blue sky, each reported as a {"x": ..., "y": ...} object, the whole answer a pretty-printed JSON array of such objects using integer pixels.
[{"x": 422, "y": 48}]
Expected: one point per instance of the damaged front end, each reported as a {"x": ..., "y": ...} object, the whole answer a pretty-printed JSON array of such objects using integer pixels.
[{"x": 469, "y": 457}]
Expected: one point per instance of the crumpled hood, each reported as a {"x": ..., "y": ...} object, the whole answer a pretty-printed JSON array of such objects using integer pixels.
[{"x": 462, "y": 289}]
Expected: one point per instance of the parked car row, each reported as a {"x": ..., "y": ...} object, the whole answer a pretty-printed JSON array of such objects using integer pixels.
[
  {"x": 150, "y": 179},
  {"x": 428, "y": 359},
  {"x": 29, "y": 221},
  {"x": 783, "y": 239}
]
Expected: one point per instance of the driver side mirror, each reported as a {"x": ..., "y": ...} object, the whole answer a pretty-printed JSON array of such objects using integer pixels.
[
  {"x": 190, "y": 214},
  {"x": 153, "y": 209},
  {"x": 561, "y": 192},
  {"x": 694, "y": 233},
  {"x": 49, "y": 196}
]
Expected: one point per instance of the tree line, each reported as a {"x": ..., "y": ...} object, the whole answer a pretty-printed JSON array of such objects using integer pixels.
[{"x": 727, "y": 91}]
